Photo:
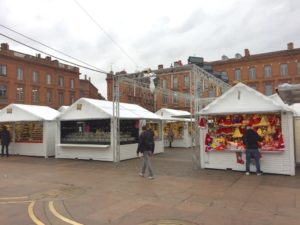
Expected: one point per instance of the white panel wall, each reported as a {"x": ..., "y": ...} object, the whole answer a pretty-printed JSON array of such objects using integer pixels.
[{"x": 29, "y": 149}]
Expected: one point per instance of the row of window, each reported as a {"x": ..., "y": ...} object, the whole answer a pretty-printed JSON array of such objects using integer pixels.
[
  {"x": 267, "y": 72},
  {"x": 186, "y": 82},
  {"x": 35, "y": 77},
  {"x": 35, "y": 95}
]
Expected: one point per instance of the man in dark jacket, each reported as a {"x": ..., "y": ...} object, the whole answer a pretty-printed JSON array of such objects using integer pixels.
[
  {"x": 5, "y": 140},
  {"x": 251, "y": 139},
  {"x": 146, "y": 147}
]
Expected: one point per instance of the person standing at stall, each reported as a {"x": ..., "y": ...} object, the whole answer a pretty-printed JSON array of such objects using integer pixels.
[
  {"x": 251, "y": 139},
  {"x": 170, "y": 136},
  {"x": 5, "y": 140},
  {"x": 146, "y": 147}
]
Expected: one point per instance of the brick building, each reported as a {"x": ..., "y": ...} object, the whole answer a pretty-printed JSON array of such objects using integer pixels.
[
  {"x": 175, "y": 87},
  {"x": 263, "y": 72},
  {"x": 28, "y": 79}
]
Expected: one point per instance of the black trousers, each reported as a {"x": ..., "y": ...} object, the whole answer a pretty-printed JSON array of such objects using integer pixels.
[{"x": 2, "y": 150}]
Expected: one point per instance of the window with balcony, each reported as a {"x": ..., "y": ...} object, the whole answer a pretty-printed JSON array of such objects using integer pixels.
[
  {"x": 283, "y": 69},
  {"x": 61, "y": 98},
  {"x": 48, "y": 79},
  {"x": 175, "y": 99},
  {"x": 35, "y": 76},
  {"x": 237, "y": 75},
  {"x": 3, "y": 91},
  {"x": 186, "y": 81},
  {"x": 165, "y": 84},
  {"x": 211, "y": 93},
  {"x": 61, "y": 81},
  {"x": 3, "y": 70},
  {"x": 72, "y": 83},
  {"x": 35, "y": 95},
  {"x": 165, "y": 99},
  {"x": 175, "y": 83},
  {"x": 72, "y": 99},
  {"x": 267, "y": 71},
  {"x": 49, "y": 97},
  {"x": 20, "y": 74},
  {"x": 187, "y": 100},
  {"x": 252, "y": 73},
  {"x": 224, "y": 76},
  {"x": 268, "y": 89},
  {"x": 20, "y": 94}
]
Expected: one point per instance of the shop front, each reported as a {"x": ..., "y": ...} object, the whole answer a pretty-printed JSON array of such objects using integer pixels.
[
  {"x": 221, "y": 145},
  {"x": 181, "y": 128},
  {"x": 32, "y": 129},
  {"x": 85, "y": 130}
]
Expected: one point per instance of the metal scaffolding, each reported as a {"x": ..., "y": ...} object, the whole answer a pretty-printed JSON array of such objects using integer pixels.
[{"x": 200, "y": 81}]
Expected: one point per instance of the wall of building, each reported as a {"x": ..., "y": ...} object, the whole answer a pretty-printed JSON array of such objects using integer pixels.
[
  {"x": 290, "y": 57},
  {"x": 36, "y": 89}
]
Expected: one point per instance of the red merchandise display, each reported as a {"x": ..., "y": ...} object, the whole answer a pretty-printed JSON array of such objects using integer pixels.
[{"x": 225, "y": 132}]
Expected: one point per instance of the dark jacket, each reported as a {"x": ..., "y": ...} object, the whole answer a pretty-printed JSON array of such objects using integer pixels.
[
  {"x": 146, "y": 142},
  {"x": 251, "y": 139},
  {"x": 5, "y": 137}
]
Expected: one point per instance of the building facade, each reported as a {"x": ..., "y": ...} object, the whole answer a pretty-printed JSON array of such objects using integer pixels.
[
  {"x": 28, "y": 79},
  {"x": 263, "y": 72},
  {"x": 177, "y": 87}
]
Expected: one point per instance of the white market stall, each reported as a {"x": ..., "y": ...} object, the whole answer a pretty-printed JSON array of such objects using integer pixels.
[
  {"x": 32, "y": 129},
  {"x": 220, "y": 142},
  {"x": 296, "y": 108},
  {"x": 181, "y": 127},
  {"x": 85, "y": 127}
]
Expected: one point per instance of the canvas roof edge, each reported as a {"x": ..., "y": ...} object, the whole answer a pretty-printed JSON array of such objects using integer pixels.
[
  {"x": 78, "y": 102},
  {"x": 19, "y": 106},
  {"x": 240, "y": 84}
]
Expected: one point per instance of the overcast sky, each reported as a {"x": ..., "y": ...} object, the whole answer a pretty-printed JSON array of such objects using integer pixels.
[{"x": 138, "y": 34}]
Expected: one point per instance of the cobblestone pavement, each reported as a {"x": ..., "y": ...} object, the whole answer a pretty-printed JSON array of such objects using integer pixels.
[{"x": 62, "y": 191}]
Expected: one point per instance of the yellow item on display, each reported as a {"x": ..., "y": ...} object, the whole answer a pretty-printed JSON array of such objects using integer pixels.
[
  {"x": 269, "y": 130},
  {"x": 237, "y": 133},
  {"x": 263, "y": 121},
  {"x": 259, "y": 132}
]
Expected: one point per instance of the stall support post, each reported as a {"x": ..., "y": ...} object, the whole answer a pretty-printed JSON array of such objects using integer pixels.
[{"x": 116, "y": 120}]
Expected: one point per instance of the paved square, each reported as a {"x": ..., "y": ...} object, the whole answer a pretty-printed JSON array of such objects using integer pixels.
[{"x": 61, "y": 191}]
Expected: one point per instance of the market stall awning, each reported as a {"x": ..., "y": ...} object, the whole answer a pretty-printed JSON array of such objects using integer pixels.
[
  {"x": 22, "y": 112},
  {"x": 243, "y": 99},
  {"x": 86, "y": 108},
  {"x": 173, "y": 114},
  {"x": 290, "y": 93}
]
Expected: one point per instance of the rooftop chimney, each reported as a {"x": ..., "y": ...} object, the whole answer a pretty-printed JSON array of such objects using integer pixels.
[
  {"x": 4, "y": 46},
  {"x": 161, "y": 66},
  {"x": 290, "y": 46},
  {"x": 247, "y": 52}
]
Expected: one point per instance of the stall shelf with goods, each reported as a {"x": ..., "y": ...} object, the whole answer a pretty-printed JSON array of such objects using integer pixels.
[
  {"x": 181, "y": 127},
  {"x": 32, "y": 129},
  {"x": 85, "y": 130},
  {"x": 221, "y": 144}
]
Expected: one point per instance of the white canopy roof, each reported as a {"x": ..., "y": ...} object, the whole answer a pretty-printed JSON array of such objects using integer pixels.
[
  {"x": 22, "y": 112},
  {"x": 63, "y": 108},
  {"x": 243, "y": 99},
  {"x": 170, "y": 114},
  {"x": 86, "y": 108},
  {"x": 296, "y": 108}
]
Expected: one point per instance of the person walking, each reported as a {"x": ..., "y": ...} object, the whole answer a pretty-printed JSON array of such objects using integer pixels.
[
  {"x": 251, "y": 139},
  {"x": 5, "y": 140},
  {"x": 170, "y": 136},
  {"x": 146, "y": 147}
]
